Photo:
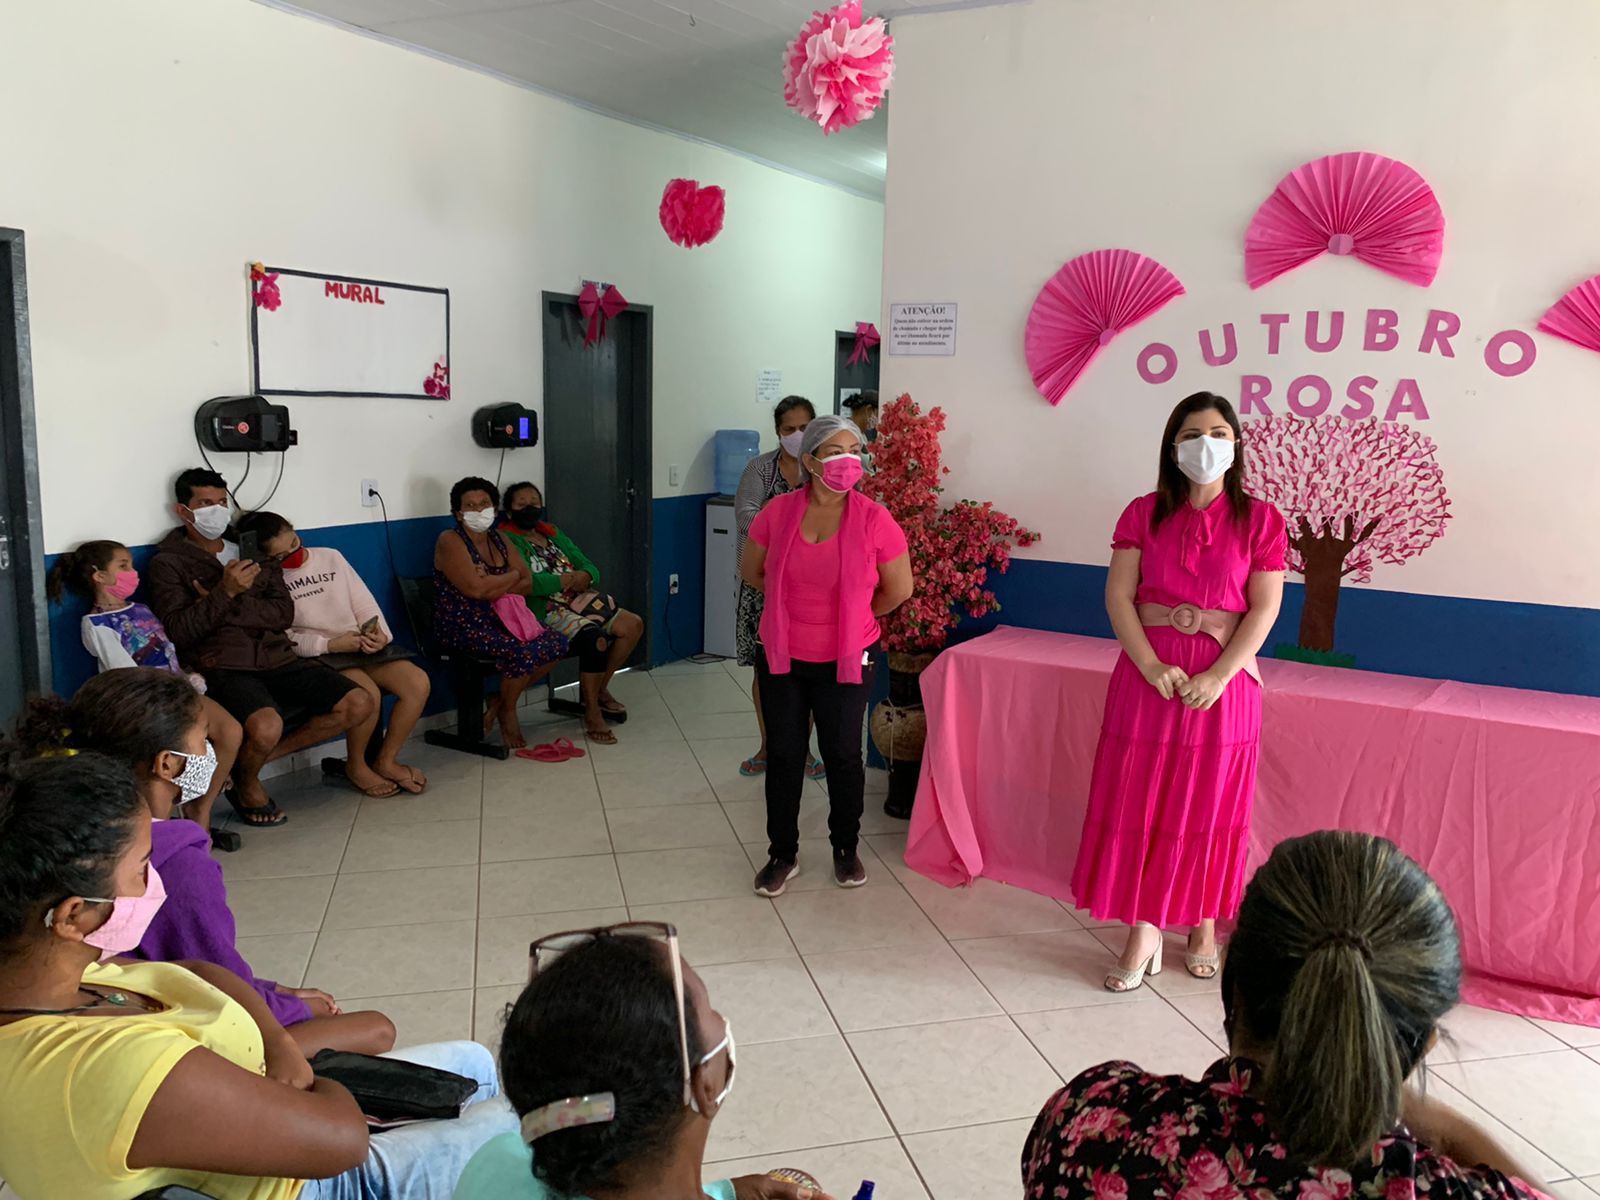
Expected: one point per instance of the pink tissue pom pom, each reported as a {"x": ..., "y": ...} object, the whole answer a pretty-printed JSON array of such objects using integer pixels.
[
  {"x": 692, "y": 215},
  {"x": 838, "y": 69}
]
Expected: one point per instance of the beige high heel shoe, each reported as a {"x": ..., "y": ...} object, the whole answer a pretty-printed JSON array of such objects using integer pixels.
[
  {"x": 1202, "y": 966},
  {"x": 1120, "y": 979}
]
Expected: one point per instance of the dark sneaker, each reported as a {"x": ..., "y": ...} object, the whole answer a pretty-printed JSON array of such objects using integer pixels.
[
  {"x": 775, "y": 876},
  {"x": 847, "y": 869}
]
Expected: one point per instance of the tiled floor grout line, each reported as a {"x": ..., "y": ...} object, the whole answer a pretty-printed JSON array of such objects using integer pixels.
[{"x": 715, "y": 728}]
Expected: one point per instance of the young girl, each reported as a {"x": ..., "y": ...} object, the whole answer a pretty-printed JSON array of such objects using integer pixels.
[{"x": 120, "y": 633}]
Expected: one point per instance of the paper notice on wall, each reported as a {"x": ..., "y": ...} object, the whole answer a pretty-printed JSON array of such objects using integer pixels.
[
  {"x": 769, "y": 386},
  {"x": 924, "y": 329}
]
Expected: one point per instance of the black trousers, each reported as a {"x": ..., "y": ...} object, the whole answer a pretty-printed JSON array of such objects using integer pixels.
[{"x": 789, "y": 703}]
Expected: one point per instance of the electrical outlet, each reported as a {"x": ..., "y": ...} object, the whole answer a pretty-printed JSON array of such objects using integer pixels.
[
  {"x": 672, "y": 585},
  {"x": 369, "y": 493},
  {"x": 672, "y": 475}
]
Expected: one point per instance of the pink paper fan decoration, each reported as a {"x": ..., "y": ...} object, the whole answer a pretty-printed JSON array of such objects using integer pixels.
[
  {"x": 1576, "y": 316},
  {"x": 1375, "y": 208},
  {"x": 1086, "y": 304},
  {"x": 692, "y": 215},
  {"x": 837, "y": 71}
]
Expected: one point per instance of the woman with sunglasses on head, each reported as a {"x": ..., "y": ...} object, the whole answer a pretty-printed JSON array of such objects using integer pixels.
[
  {"x": 338, "y": 623},
  {"x": 617, "y": 1064},
  {"x": 1345, "y": 960},
  {"x": 124, "y": 1077},
  {"x": 1195, "y": 584},
  {"x": 830, "y": 561},
  {"x": 152, "y": 721}
]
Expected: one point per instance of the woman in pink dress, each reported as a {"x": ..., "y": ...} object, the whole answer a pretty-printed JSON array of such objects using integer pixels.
[{"x": 1195, "y": 585}]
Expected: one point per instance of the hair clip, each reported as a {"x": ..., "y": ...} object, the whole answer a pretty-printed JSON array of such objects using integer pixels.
[{"x": 569, "y": 1114}]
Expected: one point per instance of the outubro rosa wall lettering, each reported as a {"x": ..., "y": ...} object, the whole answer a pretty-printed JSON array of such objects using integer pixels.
[{"x": 1509, "y": 353}]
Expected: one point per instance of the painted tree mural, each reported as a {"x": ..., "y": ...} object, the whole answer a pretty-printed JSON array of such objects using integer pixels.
[{"x": 1354, "y": 494}]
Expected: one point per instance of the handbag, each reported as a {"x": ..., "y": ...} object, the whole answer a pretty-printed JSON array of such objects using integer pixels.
[
  {"x": 518, "y": 621},
  {"x": 594, "y": 608},
  {"x": 390, "y": 1089}
]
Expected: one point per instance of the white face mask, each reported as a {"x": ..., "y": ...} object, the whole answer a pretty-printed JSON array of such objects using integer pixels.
[
  {"x": 727, "y": 1088},
  {"x": 1205, "y": 459},
  {"x": 791, "y": 442},
  {"x": 211, "y": 521},
  {"x": 198, "y": 770},
  {"x": 480, "y": 521}
]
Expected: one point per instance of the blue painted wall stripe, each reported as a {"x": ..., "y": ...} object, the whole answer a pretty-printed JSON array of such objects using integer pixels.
[{"x": 1544, "y": 647}]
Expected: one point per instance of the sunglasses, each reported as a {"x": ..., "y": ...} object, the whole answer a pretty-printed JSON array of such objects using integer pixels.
[{"x": 543, "y": 951}]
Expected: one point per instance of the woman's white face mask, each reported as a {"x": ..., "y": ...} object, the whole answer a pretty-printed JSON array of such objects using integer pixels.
[
  {"x": 1205, "y": 459},
  {"x": 727, "y": 1087}
]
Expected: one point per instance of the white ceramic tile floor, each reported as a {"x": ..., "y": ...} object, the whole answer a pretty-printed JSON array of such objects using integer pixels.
[{"x": 900, "y": 1032}]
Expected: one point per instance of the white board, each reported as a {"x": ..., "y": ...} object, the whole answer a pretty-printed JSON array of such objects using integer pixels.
[
  {"x": 332, "y": 335},
  {"x": 924, "y": 329}
]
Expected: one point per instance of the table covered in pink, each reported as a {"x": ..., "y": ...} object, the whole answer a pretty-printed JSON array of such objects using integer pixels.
[{"x": 1495, "y": 791}]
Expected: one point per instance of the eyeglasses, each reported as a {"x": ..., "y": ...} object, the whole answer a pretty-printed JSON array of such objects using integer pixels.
[{"x": 545, "y": 950}]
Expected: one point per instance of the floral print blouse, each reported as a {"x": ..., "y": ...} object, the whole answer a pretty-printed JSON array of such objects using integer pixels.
[{"x": 1116, "y": 1133}]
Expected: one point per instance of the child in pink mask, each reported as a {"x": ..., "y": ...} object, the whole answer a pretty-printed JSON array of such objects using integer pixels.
[{"x": 121, "y": 633}]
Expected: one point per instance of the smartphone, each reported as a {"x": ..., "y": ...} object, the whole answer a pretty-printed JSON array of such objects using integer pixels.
[
  {"x": 370, "y": 628},
  {"x": 249, "y": 547}
]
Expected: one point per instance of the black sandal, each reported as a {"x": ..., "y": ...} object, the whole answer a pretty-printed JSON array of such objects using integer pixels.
[{"x": 257, "y": 816}]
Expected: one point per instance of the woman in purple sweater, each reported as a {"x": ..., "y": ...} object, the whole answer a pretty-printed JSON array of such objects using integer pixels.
[{"x": 153, "y": 721}]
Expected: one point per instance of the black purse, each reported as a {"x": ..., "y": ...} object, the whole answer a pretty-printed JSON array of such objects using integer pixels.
[{"x": 391, "y": 1089}]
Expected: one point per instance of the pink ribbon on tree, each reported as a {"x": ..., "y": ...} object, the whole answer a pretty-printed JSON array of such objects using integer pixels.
[
  {"x": 866, "y": 340},
  {"x": 597, "y": 308}
]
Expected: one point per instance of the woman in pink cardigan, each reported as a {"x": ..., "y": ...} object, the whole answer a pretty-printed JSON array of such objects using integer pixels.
[
  {"x": 830, "y": 562},
  {"x": 337, "y": 621}
]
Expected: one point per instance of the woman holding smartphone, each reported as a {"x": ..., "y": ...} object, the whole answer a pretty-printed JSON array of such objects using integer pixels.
[
  {"x": 337, "y": 621},
  {"x": 1195, "y": 584}
]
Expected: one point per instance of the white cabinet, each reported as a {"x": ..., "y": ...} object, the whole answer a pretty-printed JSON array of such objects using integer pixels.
[{"x": 722, "y": 577}]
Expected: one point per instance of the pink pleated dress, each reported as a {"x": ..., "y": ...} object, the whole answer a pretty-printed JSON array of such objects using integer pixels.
[{"x": 1167, "y": 831}]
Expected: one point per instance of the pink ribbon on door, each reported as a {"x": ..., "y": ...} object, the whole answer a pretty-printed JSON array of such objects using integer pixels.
[
  {"x": 866, "y": 339},
  {"x": 597, "y": 308}
]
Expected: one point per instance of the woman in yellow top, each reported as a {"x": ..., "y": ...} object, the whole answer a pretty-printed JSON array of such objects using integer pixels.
[{"x": 122, "y": 1077}]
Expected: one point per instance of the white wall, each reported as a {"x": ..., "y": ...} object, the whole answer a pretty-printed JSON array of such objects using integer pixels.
[
  {"x": 153, "y": 149},
  {"x": 1023, "y": 136}
]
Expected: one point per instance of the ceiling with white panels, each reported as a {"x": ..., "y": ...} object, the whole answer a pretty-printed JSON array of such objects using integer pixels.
[{"x": 711, "y": 69}]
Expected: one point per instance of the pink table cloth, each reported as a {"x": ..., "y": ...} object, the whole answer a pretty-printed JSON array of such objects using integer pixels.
[{"x": 1495, "y": 791}]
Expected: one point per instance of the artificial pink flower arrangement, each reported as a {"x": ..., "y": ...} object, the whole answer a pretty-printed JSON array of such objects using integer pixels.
[
  {"x": 264, "y": 287},
  {"x": 953, "y": 547},
  {"x": 438, "y": 384},
  {"x": 692, "y": 215},
  {"x": 837, "y": 70}
]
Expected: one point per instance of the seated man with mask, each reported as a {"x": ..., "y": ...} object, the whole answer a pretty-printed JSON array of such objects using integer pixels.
[{"x": 228, "y": 616}]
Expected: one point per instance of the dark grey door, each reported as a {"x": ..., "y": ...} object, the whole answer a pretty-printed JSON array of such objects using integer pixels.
[
  {"x": 24, "y": 634},
  {"x": 861, "y": 376},
  {"x": 597, "y": 448}
]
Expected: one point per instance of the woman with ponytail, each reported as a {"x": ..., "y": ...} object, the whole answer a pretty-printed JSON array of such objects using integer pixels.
[
  {"x": 152, "y": 723},
  {"x": 1345, "y": 960}
]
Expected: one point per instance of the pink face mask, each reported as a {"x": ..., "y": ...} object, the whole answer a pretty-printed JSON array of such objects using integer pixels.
[
  {"x": 130, "y": 918},
  {"x": 842, "y": 472},
  {"x": 126, "y": 584}
]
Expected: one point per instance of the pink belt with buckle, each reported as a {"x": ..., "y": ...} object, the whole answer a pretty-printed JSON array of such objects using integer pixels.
[{"x": 1190, "y": 619}]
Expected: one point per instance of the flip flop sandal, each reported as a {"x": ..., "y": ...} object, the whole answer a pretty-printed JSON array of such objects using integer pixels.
[
  {"x": 815, "y": 769},
  {"x": 566, "y": 747},
  {"x": 411, "y": 784},
  {"x": 753, "y": 766},
  {"x": 258, "y": 816},
  {"x": 376, "y": 792},
  {"x": 544, "y": 752}
]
